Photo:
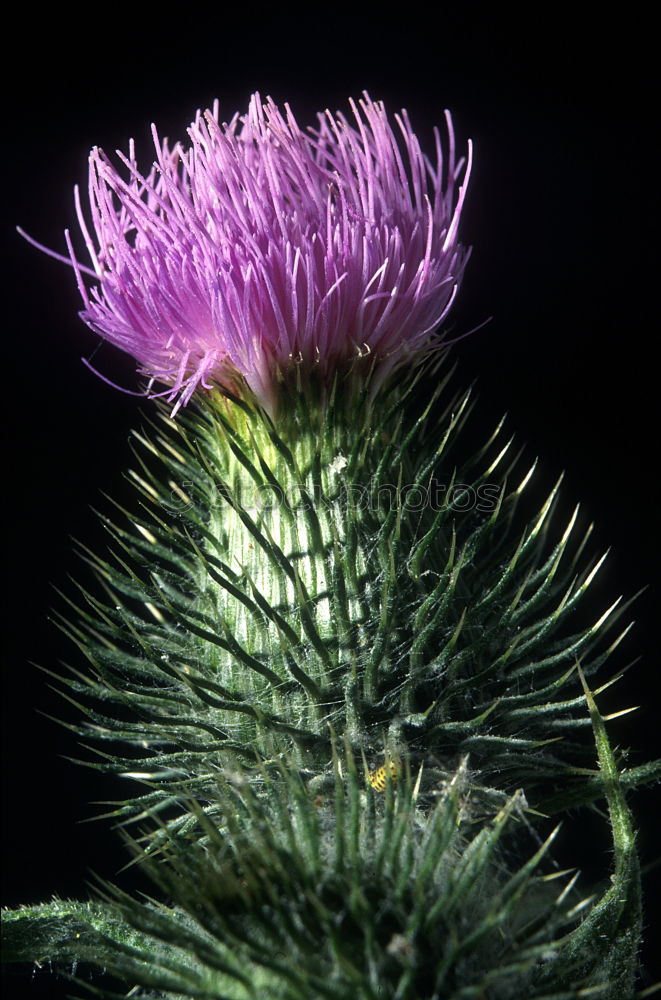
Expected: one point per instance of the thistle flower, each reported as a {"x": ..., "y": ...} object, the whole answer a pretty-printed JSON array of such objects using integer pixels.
[
  {"x": 260, "y": 247},
  {"x": 278, "y": 612}
]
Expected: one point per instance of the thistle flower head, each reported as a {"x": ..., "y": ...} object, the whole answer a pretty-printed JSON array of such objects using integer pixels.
[{"x": 260, "y": 247}]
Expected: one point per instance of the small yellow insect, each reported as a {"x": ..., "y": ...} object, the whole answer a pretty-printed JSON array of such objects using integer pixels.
[{"x": 378, "y": 778}]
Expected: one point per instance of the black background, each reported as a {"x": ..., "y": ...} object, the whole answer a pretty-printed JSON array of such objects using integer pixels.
[{"x": 562, "y": 215}]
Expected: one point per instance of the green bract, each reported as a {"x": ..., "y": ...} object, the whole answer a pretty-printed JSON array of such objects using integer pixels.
[{"x": 295, "y": 606}]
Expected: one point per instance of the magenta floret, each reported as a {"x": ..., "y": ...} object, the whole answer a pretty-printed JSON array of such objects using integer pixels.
[{"x": 260, "y": 246}]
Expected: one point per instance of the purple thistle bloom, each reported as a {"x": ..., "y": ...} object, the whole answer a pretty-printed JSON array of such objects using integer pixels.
[{"x": 260, "y": 247}]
